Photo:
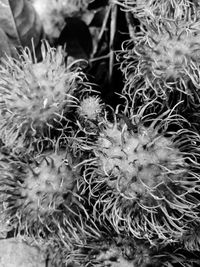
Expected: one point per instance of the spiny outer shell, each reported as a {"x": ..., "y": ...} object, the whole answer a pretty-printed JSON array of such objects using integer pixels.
[
  {"x": 144, "y": 183},
  {"x": 165, "y": 57},
  {"x": 34, "y": 96},
  {"x": 106, "y": 252},
  {"x": 34, "y": 191},
  {"x": 147, "y": 10},
  {"x": 45, "y": 184},
  {"x": 90, "y": 107},
  {"x": 137, "y": 159}
]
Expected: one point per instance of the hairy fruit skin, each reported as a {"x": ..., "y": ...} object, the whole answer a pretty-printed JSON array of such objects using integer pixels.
[
  {"x": 90, "y": 108},
  {"x": 44, "y": 185},
  {"x": 164, "y": 59},
  {"x": 34, "y": 190},
  {"x": 135, "y": 159},
  {"x": 148, "y": 10},
  {"x": 113, "y": 251},
  {"x": 144, "y": 181},
  {"x": 35, "y": 97}
]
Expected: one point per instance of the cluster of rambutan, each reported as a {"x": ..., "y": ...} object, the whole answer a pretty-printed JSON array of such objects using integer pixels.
[
  {"x": 147, "y": 156},
  {"x": 102, "y": 186},
  {"x": 40, "y": 164}
]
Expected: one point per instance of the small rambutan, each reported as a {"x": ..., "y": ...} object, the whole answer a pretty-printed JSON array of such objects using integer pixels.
[
  {"x": 144, "y": 180},
  {"x": 35, "y": 97},
  {"x": 34, "y": 191},
  {"x": 164, "y": 58},
  {"x": 90, "y": 108},
  {"x": 127, "y": 252}
]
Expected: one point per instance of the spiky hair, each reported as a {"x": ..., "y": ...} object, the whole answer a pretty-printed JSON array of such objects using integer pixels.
[
  {"x": 34, "y": 189},
  {"x": 164, "y": 58},
  {"x": 35, "y": 96},
  {"x": 147, "y": 10},
  {"x": 144, "y": 180}
]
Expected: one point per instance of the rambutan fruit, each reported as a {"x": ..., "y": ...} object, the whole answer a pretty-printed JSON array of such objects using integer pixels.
[
  {"x": 36, "y": 191},
  {"x": 35, "y": 97},
  {"x": 144, "y": 179},
  {"x": 163, "y": 59},
  {"x": 115, "y": 251},
  {"x": 90, "y": 108},
  {"x": 89, "y": 112},
  {"x": 124, "y": 251},
  {"x": 147, "y": 10}
]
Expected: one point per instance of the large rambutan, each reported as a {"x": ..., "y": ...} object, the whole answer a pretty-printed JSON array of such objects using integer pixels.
[
  {"x": 37, "y": 192},
  {"x": 144, "y": 179},
  {"x": 35, "y": 97},
  {"x": 164, "y": 58}
]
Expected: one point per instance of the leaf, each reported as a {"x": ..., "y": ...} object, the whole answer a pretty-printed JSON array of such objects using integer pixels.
[
  {"x": 77, "y": 38},
  {"x": 4, "y": 46},
  {"x": 95, "y": 4},
  {"x": 20, "y": 23}
]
